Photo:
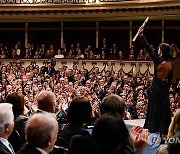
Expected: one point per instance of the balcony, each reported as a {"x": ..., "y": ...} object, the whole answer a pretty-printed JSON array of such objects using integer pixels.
[{"x": 63, "y": 10}]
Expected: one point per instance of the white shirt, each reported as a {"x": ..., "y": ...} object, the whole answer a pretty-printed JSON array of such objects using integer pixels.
[
  {"x": 59, "y": 56},
  {"x": 6, "y": 143}
]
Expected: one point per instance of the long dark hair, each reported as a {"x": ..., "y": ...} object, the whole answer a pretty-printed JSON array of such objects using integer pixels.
[{"x": 165, "y": 48}]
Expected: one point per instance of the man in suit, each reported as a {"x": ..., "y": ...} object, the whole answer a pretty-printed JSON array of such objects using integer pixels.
[
  {"x": 46, "y": 101},
  {"x": 6, "y": 128},
  {"x": 49, "y": 69},
  {"x": 41, "y": 133}
]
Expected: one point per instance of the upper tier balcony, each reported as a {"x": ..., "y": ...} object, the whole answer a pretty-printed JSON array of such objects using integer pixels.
[{"x": 91, "y": 10}]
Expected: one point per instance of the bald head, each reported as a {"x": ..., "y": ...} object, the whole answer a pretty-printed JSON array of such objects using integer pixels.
[
  {"x": 41, "y": 131},
  {"x": 46, "y": 101}
]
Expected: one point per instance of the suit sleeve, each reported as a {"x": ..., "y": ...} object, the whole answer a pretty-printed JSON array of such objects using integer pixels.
[{"x": 152, "y": 54}]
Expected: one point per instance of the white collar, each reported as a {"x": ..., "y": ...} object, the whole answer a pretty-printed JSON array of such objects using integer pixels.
[{"x": 6, "y": 143}]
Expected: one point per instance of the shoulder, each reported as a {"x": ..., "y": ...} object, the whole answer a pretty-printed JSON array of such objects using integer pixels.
[
  {"x": 165, "y": 65},
  {"x": 28, "y": 149},
  {"x": 3, "y": 149}
]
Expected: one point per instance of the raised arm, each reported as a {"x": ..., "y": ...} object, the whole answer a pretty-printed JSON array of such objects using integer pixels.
[{"x": 146, "y": 45}]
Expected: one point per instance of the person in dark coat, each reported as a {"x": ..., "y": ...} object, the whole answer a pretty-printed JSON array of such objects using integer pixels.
[{"x": 41, "y": 133}]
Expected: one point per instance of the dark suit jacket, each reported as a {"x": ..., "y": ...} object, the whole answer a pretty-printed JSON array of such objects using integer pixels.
[
  {"x": 52, "y": 70},
  {"x": 28, "y": 149},
  {"x": 4, "y": 149}
]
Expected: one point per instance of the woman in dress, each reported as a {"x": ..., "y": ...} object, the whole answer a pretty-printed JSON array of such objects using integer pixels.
[{"x": 158, "y": 115}]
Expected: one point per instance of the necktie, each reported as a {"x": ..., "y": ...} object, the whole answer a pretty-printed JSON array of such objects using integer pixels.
[{"x": 12, "y": 150}]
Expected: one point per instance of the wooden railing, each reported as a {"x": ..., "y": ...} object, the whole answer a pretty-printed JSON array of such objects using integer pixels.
[
  {"x": 73, "y": 1},
  {"x": 136, "y": 68}
]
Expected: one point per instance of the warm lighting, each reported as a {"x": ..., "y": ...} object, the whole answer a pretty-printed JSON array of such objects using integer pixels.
[{"x": 26, "y": 1}]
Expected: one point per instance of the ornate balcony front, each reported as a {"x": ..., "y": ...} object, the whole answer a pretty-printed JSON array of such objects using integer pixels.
[{"x": 91, "y": 10}]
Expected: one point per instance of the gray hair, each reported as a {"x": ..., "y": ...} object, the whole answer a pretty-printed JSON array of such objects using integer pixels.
[
  {"x": 113, "y": 104},
  {"x": 6, "y": 116},
  {"x": 39, "y": 128}
]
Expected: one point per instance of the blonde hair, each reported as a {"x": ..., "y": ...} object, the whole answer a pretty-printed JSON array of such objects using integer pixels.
[{"x": 175, "y": 125}]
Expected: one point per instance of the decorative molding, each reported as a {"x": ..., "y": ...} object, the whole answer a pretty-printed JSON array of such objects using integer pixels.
[{"x": 66, "y": 12}]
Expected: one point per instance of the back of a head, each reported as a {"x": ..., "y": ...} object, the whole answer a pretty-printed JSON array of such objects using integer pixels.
[
  {"x": 165, "y": 48},
  {"x": 39, "y": 128},
  {"x": 17, "y": 100},
  {"x": 110, "y": 133},
  {"x": 84, "y": 145},
  {"x": 113, "y": 104},
  {"x": 6, "y": 116},
  {"x": 175, "y": 124},
  {"x": 79, "y": 111},
  {"x": 46, "y": 101}
]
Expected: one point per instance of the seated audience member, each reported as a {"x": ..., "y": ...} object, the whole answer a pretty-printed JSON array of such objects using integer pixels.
[
  {"x": 36, "y": 56},
  {"x": 141, "y": 55},
  {"x": 103, "y": 55},
  {"x": 17, "y": 100},
  {"x": 131, "y": 54},
  {"x": 27, "y": 55},
  {"x": 46, "y": 101},
  {"x": 79, "y": 113},
  {"x": 3, "y": 54},
  {"x": 120, "y": 55},
  {"x": 48, "y": 54},
  {"x": 6, "y": 128},
  {"x": 70, "y": 54},
  {"x": 59, "y": 54},
  {"x": 79, "y": 54},
  {"x": 41, "y": 133}
]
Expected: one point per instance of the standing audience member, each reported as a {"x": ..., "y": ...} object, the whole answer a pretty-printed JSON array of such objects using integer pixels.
[
  {"x": 41, "y": 133},
  {"x": 17, "y": 100},
  {"x": 49, "y": 70},
  {"x": 46, "y": 101},
  {"x": 79, "y": 113},
  {"x": 6, "y": 128},
  {"x": 115, "y": 106}
]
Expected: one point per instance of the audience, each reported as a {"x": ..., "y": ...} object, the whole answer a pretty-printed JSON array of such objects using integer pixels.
[
  {"x": 78, "y": 97},
  {"x": 104, "y": 52}
]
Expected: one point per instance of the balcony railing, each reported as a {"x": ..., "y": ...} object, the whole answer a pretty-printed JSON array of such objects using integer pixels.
[{"x": 56, "y": 1}]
